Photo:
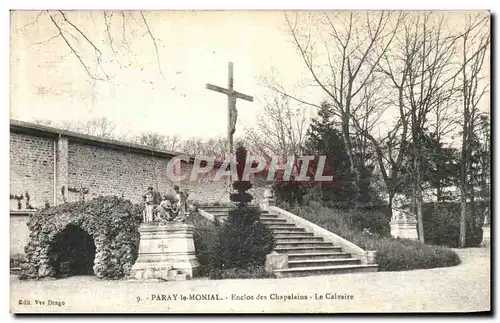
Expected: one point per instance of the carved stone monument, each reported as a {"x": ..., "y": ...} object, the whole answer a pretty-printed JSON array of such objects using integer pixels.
[
  {"x": 166, "y": 252},
  {"x": 403, "y": 225}
]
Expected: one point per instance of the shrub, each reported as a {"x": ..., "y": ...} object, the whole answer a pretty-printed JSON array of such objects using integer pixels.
[
  {"x": 393, "y": 254},
  {"x": 442, "y": 225},
  {"x": 243, "y": 241},
  {"x": 289, "y": 192},
  {"x": 205, "y": 240},
  {"x": 374, "y": 218},
  {"x": 111, "y": 222},
  {"x": 400, "y": 254},
  {"x": 206, "y": 246}
]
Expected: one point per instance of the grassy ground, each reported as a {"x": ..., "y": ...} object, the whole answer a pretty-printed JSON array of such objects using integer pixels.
[{"x": 462, "y": 288}]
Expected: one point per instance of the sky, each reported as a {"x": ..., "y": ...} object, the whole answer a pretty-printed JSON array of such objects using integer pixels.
[
  {"x": 194, "y": 48},
  {"x": 162, "y": 93}
]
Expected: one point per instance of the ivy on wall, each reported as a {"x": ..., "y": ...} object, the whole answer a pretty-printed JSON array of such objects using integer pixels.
[{"x": 112, "y": 222}]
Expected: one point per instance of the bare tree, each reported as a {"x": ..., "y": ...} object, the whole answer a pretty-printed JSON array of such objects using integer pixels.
[
  {"x": 429, "y": 85},
  {"x": 156, "y": 140},
  {"x": 474, "y": 43},
  {"x": 419, "y": 84},
  {"x": 97, "y": 50},
  {"x": 280, "y": 129},
  {"x": 211, "y": 147},
  {"x": 351, "y": 46},
  {"x": 99, "y": 127}
]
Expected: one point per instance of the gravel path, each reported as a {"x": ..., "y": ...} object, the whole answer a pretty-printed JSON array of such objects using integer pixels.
[{"x": 464, "y": 288}]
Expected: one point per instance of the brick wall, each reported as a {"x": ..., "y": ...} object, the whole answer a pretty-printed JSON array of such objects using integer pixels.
[
  {"x": 32, "y": 168},
  {"x": 104, "y": 169}
]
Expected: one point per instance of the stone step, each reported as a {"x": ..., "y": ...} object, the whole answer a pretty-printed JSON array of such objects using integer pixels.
[
  {"x": 285, "y": 233},
  {"x": 226, "y": 210},
  {"x": 289, "y": 230},
  {"x": 221, "y": 209},
  {"x": 322, "y": 262},
  {"x": 15, "y": 270},
  {"x": 302, "y": 241},
  {"x": 324, "y": 270},
  {"x": 272, "y": 220},
  {"x": 226, "y": 214},
  {"x": 318, "y": 255},
  {"x": 299, "y": 243},
  {"x": 281, "y": 225},
  {"x": 265, "y": 221},
  {"x": 302, "y": 249},
  {"x": 298, "y": 235}
]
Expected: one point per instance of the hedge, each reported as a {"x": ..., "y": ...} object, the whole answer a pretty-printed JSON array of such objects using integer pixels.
[{"x": 442, "y": 224}]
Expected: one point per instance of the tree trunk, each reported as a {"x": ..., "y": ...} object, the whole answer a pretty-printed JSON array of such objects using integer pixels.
[
  {"x": 439, "y": 190},
  {"x": 418, "y": 202},
  {"x": 463, "y": 183},
  {"x": 473, "y": 217},
  {"x": 391, "y": 199},
  {"x": 463, "y": 214}
]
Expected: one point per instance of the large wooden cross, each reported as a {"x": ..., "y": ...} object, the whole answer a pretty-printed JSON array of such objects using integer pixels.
[{"x": 232, "y": 113}]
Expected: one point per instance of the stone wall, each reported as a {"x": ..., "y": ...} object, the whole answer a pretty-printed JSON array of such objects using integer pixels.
[
  {"x": 19, "y": 232},
  {"x": 51, "y": 164},
  {"x": 106, "y": 171},
  {"x": 103, "y": 167},
  {"x": 31, "y": 168}
]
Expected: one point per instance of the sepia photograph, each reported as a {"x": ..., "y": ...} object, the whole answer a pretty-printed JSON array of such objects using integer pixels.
[{"x": 250, "y": 162}]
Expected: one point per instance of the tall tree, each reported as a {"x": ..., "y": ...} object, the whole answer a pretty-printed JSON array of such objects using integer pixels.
[
  {"x": 439, "y": 165},
  {"x": 324, "y": 139},
  {"x": 474, "y": 42},
  {"x": 352, "y": 45},
  {"x": 280, "y": 129}
]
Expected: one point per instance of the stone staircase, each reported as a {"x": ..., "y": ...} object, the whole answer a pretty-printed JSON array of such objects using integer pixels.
[{"x": 308, "y": 252}]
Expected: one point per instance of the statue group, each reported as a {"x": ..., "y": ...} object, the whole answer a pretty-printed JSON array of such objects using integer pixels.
[{"x": 162, "y": 209}]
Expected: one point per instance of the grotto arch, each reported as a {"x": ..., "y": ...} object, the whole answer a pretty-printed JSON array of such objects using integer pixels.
[
  {"x": 106, "y": 228},
  {"x": 72, "y": 252}
]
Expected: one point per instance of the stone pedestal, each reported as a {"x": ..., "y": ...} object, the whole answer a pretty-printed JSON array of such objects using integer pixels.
[
  {"x": 267, "y": 200},
  {"x": 403, "y": 225},
  {"x": 264, "y": 204},
  {"x": 275, "y": 261},
  {"x": 165, "y": 252},
  {"x": 371, "y": 257}
]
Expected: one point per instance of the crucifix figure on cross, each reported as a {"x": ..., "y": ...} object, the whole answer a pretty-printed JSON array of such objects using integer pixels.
[{"x": 232, "y": 113}]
